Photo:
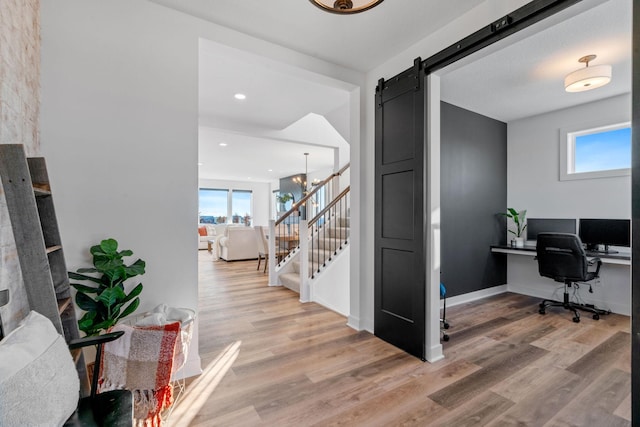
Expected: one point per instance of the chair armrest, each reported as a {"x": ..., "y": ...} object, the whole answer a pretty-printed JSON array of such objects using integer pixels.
[
  {"x": 598, "y": 263},
  {"x": 98, "y": 340},
  {"x": 94, "y": 340}
]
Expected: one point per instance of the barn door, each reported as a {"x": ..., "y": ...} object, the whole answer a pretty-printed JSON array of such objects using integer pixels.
[{"x": 400, "y": 256}]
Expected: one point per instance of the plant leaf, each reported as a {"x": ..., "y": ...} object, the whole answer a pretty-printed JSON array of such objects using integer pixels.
[
  {"x": 130, "y": 308},
  {"x": 87, "y": 270},
  {"x": 76, "y": 276},
  {"x": 126, "y": 252},
  {"x": 85, "y": 324},
  {"x": 134, "y": 293},
  {"x": 136, "y": 268},
  {"x": 85, "y": 289},
  {"x": 111, "y": 296},
  {"x": 109, "y": 246},
  {"x": 85, "y": 302}
]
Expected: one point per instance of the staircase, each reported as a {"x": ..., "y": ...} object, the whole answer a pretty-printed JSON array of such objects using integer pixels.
[
  {"x": 327, "y": 245},
  {"x": 317, "y": 264}
]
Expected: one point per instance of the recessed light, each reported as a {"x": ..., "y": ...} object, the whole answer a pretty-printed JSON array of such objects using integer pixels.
[
  {"x": 223, "y": 144},
  {"x": 240, "y": 96},
  {"x": 200, "y": 164},
  {"x": 270, "y": 170}
]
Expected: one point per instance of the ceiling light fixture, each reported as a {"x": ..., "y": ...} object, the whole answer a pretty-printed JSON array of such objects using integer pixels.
[
  {"x": 223, "y": 144},
  {"x": 344, "y": 7},
  {"x": 240, "y": 96},
  {"x": 587, "y": 78}
]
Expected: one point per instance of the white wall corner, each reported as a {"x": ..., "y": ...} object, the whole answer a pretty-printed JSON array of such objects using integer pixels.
[{"x": 432, "y": 220}]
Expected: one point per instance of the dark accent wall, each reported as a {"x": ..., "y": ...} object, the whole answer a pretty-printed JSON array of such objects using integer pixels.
[
  {"x": 473, "y": 194},
  {"x": 287, "y": 185}
]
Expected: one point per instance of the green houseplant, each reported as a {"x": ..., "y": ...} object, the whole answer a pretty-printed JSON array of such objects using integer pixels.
[
  {"x": 519, "y": 219},
  {"x": 106, "y": 300},
  {"x": 284, "y": 198}
]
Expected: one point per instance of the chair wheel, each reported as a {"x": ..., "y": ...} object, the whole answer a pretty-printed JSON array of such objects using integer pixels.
[
  {"x": 596, "y": 316},
  {"x": 445, "y": 337},
  {"x": 576, "y": 319},
  {"x": 542, "y": 311},
  {"x": 445, "y": 325}
]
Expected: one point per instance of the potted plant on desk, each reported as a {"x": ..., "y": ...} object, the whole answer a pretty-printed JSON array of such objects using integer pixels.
[{"x": 519, "y": 219}]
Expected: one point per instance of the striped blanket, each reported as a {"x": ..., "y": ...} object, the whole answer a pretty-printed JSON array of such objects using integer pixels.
[{"x": 142, "y": 361}]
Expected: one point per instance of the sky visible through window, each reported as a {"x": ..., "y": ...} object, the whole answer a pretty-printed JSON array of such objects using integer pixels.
[
  {"x": 603, "y": 151},
  {"x": 241, "y": 203},
  {"x": 212, "y": 205}
]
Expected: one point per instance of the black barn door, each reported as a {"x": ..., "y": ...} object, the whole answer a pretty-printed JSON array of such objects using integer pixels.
[{"x": 399, "y": 211}]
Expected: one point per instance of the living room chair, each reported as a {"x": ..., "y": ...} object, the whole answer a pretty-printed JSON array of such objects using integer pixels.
[
  {"x": 561, "y": 257},
  {"x": 263, "y": 248},
  {"x": 39, "y": 384}
]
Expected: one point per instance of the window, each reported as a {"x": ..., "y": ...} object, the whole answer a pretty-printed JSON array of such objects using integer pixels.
[
  {"x": 213, "y": 206},
  {"x": 241, "y": 207},
  {"x": 217, "y": 206},
  {"x": 596, "y": 153}
]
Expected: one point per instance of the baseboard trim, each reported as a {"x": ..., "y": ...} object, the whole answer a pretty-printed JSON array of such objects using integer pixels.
[
  {"x": 354, "y": 323},
  {"x": 473, "y": 296},
  {"x": 434, "y": 353}
]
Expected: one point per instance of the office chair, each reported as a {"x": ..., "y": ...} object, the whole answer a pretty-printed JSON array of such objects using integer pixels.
[{"x": 562, "y": 258}]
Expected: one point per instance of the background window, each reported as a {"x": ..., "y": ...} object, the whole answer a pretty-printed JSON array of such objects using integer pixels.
[
  {"x": 241, "y": 207},
  {"x": 597, "y": 153},
  {"x": 213, "y": 206},
  {"x": 221, "y": 206}
]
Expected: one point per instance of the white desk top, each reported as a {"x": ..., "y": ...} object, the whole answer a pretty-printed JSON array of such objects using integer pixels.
[{"x": 619, "y": 258}]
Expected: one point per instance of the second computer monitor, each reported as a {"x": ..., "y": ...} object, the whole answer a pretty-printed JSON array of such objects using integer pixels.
[
  {"x": 607, "y": 232},
  {"x": 549, "y": 225}
]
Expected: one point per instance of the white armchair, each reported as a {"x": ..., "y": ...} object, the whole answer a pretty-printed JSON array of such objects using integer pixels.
[{"x": 238, "y": 243}]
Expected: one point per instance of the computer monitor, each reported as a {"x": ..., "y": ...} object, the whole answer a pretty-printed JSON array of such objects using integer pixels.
[
  {"x": 607, "y": 232},
  {"x": 549, "y": 225}
]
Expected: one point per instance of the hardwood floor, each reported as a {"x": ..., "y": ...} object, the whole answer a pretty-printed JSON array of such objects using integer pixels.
[{"x": 300, "y": 365}]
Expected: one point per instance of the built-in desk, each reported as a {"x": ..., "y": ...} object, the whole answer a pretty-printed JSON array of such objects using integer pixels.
[
  {"x": 615, "y": 258},
  {"x": 612, "y": 291}
]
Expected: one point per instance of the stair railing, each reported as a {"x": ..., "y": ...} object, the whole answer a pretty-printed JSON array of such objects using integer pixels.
[
  {"x": 329, "y": 227},
  {"x": 286, "y": 232}
]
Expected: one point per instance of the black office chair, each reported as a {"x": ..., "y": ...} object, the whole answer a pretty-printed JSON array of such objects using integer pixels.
[{"x": 562, "y": 258}]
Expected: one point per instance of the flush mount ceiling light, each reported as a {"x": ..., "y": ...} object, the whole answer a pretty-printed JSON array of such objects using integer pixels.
[
  {"x": 345, "y": 6},
  {"x": 587, "y": 78},
  {"x": 240, "y": 96}
]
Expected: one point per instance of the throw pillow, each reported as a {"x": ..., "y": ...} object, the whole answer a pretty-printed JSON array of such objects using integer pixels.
[
  {"x": 202, "y": 230},
  {"x": 38, "y": 380}
]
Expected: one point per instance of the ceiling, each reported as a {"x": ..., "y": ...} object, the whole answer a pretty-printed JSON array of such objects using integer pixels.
[
  {"x": 360, "y": 41},
  {"x": 526, "y": 78},
  {"x": 507, "y": 81}
]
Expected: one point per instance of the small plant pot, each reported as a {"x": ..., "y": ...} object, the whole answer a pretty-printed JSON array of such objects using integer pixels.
[{"x": 519, "y": 242}]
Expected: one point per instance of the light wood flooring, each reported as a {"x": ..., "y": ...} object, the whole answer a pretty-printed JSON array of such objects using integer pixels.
[{"x": 506, "y": 365}]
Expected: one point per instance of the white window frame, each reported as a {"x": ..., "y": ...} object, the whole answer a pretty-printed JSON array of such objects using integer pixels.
[{"x": 567, "y": 154}]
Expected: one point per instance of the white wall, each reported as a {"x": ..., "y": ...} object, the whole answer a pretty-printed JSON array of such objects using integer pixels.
[
  {"x": 533, "y": 183},
  {"x": 261, "y": 192},
  {"x": 533, "y": 165},
  {"x": 119, "y": 123},
  {"x": 331, "y": 288}
]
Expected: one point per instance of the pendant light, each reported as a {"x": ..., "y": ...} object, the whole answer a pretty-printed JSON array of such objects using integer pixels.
[
  {"x": 345, "y": 7},
  {"x": 587, "y": 78}
]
